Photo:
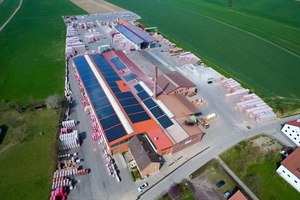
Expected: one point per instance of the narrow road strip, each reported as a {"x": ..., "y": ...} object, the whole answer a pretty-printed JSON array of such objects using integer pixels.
[
  {"x": 239, "y": 182},
  {"x": 8, "y": 20}
]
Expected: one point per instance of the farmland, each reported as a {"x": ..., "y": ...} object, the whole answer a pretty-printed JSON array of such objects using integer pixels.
[
  {"x": 250, "y": 42},
  {"x": 32, "y": 50},
  {"x": 7, "y": 7},
  {"x": 32, "y": 68}
]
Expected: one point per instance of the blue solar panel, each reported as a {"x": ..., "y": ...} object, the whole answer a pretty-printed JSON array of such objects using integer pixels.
[
  {"x": 140, "y": 33},
  {"x": 124, "y": 95},
  {"x": 105, "y": 112},
  {"x": 93, "y": 89},
  {"x": 133, "y": 109},
  {"x": 84, "y": 72},
  {"x": 80, "y": 62},
  {"x": 100, "y": 103},
  {"x": 87, "y": 76},
  {"x": 112, "y": 84},
  {"x": 115, "y": 89},
  {"x": 157, "y": 112},
  {"x": 91, "y": 82},
  {"x": 100, "y": 61},
  {"x": 165, "y": 121},
  {"x": 97, "y": 96},
  {"x": 112, "y": 78},
  {"x": 139, "y": 117},
  {"x": 115, "y": 133},
  {"x": 149, "y": 103},
  {"x": 110, "y": 121},
  {"x": 118, "y": 63},
  {"x": 109, "y": 73},
  {"x": 138, "y": 88},
  {"x": 131, "y": 36},
  {"x": 143, "y": 95},
  {"x": 129, "y": 77},
  {"x": 127, "y": 102}
]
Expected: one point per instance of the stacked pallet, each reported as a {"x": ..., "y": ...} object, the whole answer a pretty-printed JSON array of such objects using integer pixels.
[
  {"x": 230, "y": 84},
  {"x": 92, "y": 36},
  {"x": 69, "y": 140},
  {"x": 59, "y": 193},
  {"x": 255, "y": 108},
  {"x": 188, "y": 57},
  {"x": 236, "y": 93}
]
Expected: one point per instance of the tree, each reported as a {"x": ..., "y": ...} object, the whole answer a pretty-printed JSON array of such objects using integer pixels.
[
  {"x": 174, "y": 192},
  {"x": 54, "y": 101}
]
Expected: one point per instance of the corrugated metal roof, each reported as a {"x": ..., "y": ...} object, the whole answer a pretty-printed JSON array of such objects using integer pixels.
[
  {"x": 131, "y": 36},
  {"x": 140, "y": 33}
]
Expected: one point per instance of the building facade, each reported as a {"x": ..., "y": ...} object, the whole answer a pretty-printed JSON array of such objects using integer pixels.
[
  {"x": 289, "y": 169},
  {"x": 292, "y": 130}
]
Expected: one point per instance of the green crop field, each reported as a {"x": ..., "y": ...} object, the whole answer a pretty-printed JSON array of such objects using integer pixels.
[
  {"x": 32, "y": 50},
  {"x": 7, "y": 7},
  {"x": 256, "y": 43},
  {"x": 32, "y": 67}
]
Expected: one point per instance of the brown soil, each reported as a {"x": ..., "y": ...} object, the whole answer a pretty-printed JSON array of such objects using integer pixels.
[{"x": 97, "y": 6}]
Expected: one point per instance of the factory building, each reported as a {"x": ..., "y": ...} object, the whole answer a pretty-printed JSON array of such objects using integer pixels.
[
  {"x": 175, "y": 83},
  {"x": 138, "y": 37},
  {"x": 185, "y": 131},
  {"x": 147, "y": 161},
  {"x": 116, "y": 111}
]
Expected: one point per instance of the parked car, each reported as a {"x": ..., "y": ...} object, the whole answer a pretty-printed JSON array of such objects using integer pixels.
[
  {"x": 142, "y": 187},
  {"x": 227, "y": 194},
  {"x": 220, "y": 183}
]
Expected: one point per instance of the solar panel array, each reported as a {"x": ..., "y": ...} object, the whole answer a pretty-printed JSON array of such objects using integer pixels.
[
  {"x": 140, "y": 33},
  {"x": 108, "y": 118},
  {"x": 129, "y": 77},
  {"x": 161, "y": 117},
  {"x": 131, "y": 36},
  {"x": 118, "y": 63}
]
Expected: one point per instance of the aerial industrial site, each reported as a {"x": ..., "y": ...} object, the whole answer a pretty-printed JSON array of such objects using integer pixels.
[{"x": 142, "y": 102}]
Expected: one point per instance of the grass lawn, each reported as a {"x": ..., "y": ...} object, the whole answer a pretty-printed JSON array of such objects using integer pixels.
[
  {"x": 32, "y": 50},
  {"x": 214, "y": 172},
  {"x": 260, "y": 50},
  {"x": 26, "y": 157},
  {"x": 259, "y": 172},
  {"x": 7, "y": 7}
]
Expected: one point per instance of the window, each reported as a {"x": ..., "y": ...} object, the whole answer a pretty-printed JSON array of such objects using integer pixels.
[
  {"x": 290, "y": 134},
  {"x": 295, "y": 181},
  {"x": 298, "y": 135},
  {"x": 283, "y": 171},
  {"x": 285, "y": 130},
  {"x": 295, "y": 138},
  {"x": 289, "y": 175},
  {"x": 288, "y": 127},
  {"x": 293, "y": 131}
]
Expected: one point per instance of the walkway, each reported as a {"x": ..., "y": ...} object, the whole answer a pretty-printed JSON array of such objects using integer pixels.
[
  {"x": 239, "y": 182},
  {"x": 8, "y": 20}
]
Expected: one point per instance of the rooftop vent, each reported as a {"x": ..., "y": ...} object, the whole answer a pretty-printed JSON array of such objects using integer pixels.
[{"x": 155, "y": 138}]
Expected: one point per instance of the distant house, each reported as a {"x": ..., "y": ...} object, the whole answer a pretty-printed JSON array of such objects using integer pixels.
[
  {"x": 292, "y": 130},
  {"x": 238, "y": 195},
  {"x": 175, "y": 83},
  {"x": 290, "y": 169},
  {"x": 146, "y": 159}
]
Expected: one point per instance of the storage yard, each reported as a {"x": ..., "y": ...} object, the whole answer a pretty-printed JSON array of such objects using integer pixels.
[
  {"x": 131, "y": 85},
  {"x": 255, "y": 43}
]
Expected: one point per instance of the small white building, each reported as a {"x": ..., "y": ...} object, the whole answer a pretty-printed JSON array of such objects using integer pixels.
[
  {"x": 290, "y": 169},
  {"x": 292, "y": 130}
]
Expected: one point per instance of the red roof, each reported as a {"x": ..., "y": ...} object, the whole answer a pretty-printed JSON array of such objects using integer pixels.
[
  {"x": 294, "y": 123},
  {"x": 238, "y": 196},
  {"x": 173, "y": 80},
  {"x": 292, "y": 162}
]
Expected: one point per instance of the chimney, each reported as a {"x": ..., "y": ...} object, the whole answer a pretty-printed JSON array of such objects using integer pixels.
[{"x": 155, "y": 82}]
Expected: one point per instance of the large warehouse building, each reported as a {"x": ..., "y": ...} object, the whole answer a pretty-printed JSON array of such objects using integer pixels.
[{"x": 123, "y": 105}]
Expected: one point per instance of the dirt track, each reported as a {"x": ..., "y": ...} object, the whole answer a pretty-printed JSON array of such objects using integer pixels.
[{"x": 96, "y": 6}]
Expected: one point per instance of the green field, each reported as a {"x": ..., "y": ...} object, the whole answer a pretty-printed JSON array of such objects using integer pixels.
[
  {"x": 32, "y": 50},
  {"x": 26, "y": 156},
  {"x": 257, "y": 43},
  {"x": 32, "y": 67},
  {"x": 258, "y": 172},
  {"x": 7, "y": 7}
]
